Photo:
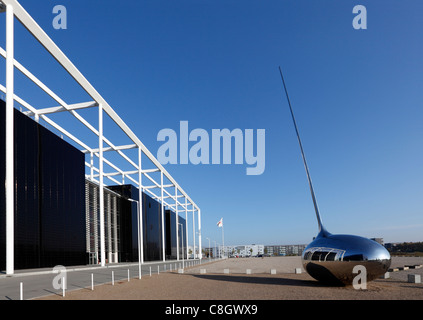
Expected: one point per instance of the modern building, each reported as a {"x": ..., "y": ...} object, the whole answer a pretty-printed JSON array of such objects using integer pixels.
[
  {"x": 65, "y": 200},
  {"x": 285, "y": 250}
]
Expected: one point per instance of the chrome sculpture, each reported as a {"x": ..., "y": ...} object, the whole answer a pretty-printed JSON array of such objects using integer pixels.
[{"x": 331, "y": 258}]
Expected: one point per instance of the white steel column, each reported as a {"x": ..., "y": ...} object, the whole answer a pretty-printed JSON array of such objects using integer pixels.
[
  {"x": 92, "y": 166},
  {"x": 140, "y": 221},
  {"x": 101, "y": 186},
  {"x": 186, "y": 225},
  {"x": 177, "y": 223},
  {"x": 163, "y": 216},
  {"x": 199, "y": 234},
  {"x": 193, "y": 226},
  {"x": 10, "y": 244}
]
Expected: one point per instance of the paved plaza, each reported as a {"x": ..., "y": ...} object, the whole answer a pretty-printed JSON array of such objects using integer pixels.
[{"x": 228, "y": 280}]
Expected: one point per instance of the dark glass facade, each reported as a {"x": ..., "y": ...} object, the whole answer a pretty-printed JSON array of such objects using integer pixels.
[
  {"x": 127, "y": 222},
  {"x": 152, "y": 225},
  {"x": 152, "y": 229},
  {"x": 57, "y": 211},
  {"x": 171, "y": 247},
  {"x": 49, "y": 197}
]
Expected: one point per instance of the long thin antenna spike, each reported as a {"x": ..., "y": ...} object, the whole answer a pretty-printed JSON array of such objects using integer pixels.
[{"x": 316, "y": 209}]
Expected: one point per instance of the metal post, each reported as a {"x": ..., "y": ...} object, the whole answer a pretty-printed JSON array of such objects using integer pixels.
[
  {"x": 10, "y": 254},
  {"x": 193, "y": 226},
  {"x": 186, "y": 225},
  {"x": 199, "y": 234},
  {"x": 92, "y": 166},
  {"x": 183, "y": 260},
  {"x": 140, "y": 223},
  {"x": 163, "y": 217},
  {"x": 177, "y": 223},
  {"x": 101, "y": 186}
]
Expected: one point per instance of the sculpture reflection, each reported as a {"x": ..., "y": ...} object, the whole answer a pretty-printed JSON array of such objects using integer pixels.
[{"x": 331, "y": 258}]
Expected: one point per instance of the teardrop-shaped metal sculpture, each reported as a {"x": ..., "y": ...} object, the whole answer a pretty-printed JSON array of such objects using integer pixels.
[{"x": 331, "y": 258}]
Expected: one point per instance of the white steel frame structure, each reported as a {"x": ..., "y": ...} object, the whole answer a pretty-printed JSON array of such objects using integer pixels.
[{"x": 13, "y": 10}]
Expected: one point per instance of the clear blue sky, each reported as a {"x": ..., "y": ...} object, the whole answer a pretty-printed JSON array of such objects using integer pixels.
[{"x": 357, "y": 96}]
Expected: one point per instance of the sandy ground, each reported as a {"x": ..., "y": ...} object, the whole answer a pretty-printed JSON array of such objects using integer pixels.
[{"x": 260, "y": 285}]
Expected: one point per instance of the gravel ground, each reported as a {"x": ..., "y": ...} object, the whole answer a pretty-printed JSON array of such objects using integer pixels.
[{"x": 260, "y": 285}]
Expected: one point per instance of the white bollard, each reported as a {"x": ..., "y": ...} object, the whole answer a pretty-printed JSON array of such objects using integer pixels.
[
  {"x": 92, "y": 282},
  {"x": 150, "y": 271},
  {"x": 158, "y": 269},
  {"x": 21, "y": 290},
  {"x": 64, "y": 286},
  {"x": 113, "y": 278},
  {"x": 128, "y": 275}
]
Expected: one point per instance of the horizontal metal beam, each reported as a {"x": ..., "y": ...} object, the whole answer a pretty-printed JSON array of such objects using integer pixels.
[
  {"x": 125, "y": 147},
  {"x": 76, "y": 106}
]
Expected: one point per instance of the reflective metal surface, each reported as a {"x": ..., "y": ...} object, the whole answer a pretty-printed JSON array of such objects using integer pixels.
[{"x": 331, "y": 258}]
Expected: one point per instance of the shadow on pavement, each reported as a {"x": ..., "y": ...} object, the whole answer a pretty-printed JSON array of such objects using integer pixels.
[{"x": 261, "y": 280}]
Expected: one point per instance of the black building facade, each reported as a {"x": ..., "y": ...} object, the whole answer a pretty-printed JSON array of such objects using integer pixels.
[
  {"x": 171, "y": 236},
  {"x": 49, "y": 197},
  {"x": 56, "y": 214},
  {"x": 152, "y": 225}
]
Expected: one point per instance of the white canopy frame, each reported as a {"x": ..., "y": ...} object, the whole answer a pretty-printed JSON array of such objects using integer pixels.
[{"x": 13, "y": 10}]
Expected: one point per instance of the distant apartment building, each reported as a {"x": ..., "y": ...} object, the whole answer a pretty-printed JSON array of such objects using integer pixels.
[
  {"x": 254, "y": 250},
  {"x": 284, "y": 250}
]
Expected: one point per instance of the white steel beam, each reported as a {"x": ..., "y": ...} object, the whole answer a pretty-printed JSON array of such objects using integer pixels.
[
  {"x": 186, "y": 225},
  {"x": 101, "y": 188},
  {"x": 10, "y": 224},
  {"x": 199, "y": 234},
  {"x": 140, "y": 218},
  {"x": 125, "y": 147},
  {"x": 193, "y": 228},
  {"x": 76, "y": 106},
  {"x": 177, "y": 225},
  {"x": 163, "y": 216}
]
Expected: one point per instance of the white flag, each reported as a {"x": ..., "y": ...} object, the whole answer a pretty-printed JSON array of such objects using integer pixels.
[{"x": 220, "y": 223}]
